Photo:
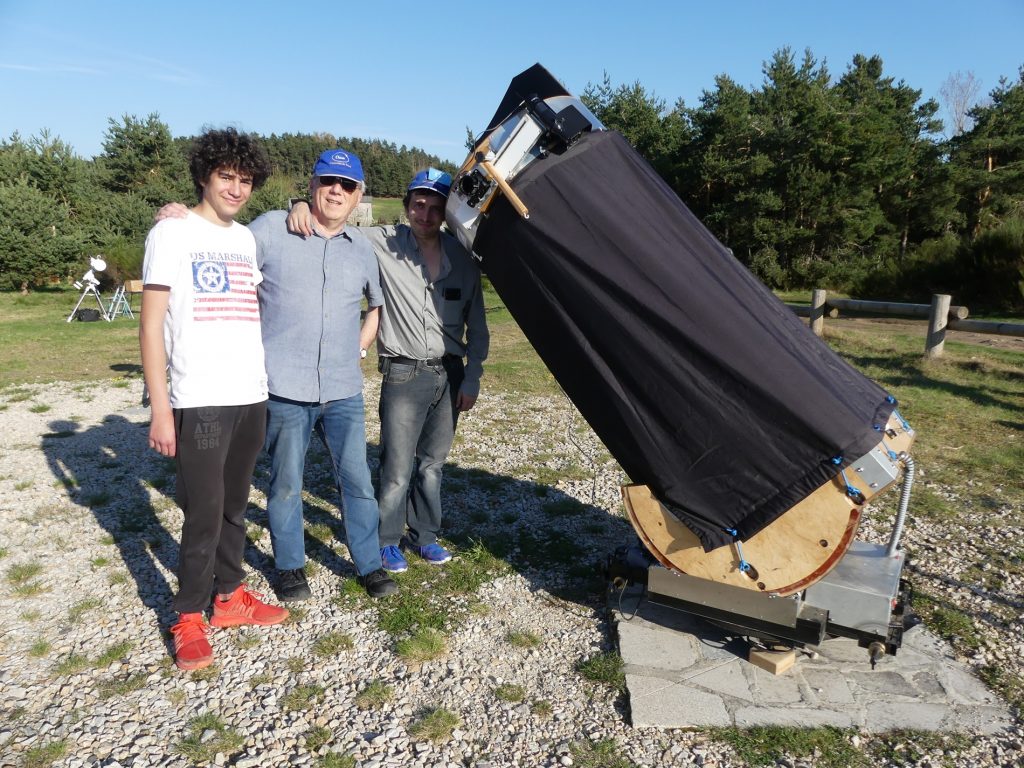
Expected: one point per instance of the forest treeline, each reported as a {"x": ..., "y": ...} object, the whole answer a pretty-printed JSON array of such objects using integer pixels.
[
  {"x": 851, "y": 183},
  {"x": 845, "y": 183},
  {"x": 57, "y": 208}
]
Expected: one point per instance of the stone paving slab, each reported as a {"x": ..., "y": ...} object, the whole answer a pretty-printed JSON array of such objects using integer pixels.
[{"x": 683, "y": 672}]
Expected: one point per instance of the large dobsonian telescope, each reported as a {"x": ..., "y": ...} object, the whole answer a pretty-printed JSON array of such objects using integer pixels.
[{"x": 752, "y": 445}]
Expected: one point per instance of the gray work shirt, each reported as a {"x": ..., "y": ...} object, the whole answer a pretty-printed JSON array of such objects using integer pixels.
[
  {"x": 310, "y": 301},
  {"x": 423, "y": 319}
]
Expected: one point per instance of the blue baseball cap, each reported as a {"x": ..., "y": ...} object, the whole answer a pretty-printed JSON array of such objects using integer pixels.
[
  {"x": 339, "y": 162},
  {"x": 432, "y": 179}
]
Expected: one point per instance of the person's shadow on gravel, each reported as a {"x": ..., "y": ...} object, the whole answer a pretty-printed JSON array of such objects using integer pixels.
[{"x": 109, "y": 469}]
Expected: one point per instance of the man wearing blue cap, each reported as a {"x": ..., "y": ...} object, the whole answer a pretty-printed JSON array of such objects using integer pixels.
[
  {"x": 310, "y": 304},
  {"x": 310, "y": 301},
  {"x": 433, "y": 318}
]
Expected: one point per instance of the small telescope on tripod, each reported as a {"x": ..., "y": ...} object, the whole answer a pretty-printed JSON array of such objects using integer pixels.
[{"x": 89, "y": 285}]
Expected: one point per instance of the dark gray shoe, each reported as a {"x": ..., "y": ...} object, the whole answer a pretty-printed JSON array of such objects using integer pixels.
[
  {"x": 292, "y": 586},
  {"x": 378, "y": 583}
]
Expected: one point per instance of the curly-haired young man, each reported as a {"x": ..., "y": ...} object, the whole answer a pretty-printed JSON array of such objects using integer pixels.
[{"x": 200, "y": 320}]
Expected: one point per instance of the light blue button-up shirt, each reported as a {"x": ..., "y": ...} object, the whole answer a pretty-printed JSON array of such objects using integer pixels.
[{"x": 310, "y": 301}]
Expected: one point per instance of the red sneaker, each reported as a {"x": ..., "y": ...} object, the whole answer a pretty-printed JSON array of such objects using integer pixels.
[
  {"x": 245, "y": 607},
  {"x": 191, "y": 648}
]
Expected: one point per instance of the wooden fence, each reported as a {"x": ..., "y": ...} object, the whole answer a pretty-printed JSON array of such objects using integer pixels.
[{"x": 941, "y": 315}]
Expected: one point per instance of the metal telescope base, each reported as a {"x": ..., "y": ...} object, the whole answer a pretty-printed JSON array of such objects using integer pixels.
[{"x": 861, "y": 598}]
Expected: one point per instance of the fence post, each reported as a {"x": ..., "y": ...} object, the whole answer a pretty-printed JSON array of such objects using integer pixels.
[
  {"x": 937, "y": 325},
  {"x": 818, "y": 311}
]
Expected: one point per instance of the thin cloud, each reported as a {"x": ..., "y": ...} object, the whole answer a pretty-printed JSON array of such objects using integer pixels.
[{"x": 65, "y": 68}]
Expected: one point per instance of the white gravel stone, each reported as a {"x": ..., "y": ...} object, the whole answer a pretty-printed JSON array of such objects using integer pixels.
[{"x": 95, "y": 511}]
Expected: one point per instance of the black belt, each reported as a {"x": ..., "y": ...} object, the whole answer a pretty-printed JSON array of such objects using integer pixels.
[{"x": 433, "y": 362}]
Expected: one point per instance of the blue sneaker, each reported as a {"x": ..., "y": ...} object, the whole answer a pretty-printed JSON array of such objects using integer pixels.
[
  {"x": 392, "y": 560},
  {"x": 434, "y": 553}
]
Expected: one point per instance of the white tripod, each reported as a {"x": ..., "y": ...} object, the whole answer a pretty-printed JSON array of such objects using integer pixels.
[{"x": 88, "y": 285}]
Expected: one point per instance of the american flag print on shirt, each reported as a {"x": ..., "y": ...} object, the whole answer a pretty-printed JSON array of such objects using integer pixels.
[{"x": 224, "y": 288}]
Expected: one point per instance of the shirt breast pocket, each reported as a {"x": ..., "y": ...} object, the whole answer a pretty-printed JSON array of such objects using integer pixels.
[{"x": 452, "y": 307}]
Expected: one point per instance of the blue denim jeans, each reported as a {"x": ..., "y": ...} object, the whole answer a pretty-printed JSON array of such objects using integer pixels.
[
  {"x": 417, "y": 426},
  {"x": 341, "y": 424}
]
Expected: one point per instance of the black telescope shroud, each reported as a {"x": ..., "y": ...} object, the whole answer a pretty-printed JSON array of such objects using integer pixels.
[{"x": 700, "y": 382}]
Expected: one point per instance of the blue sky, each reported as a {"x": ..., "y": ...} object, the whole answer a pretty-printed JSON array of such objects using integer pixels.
[{"x": 419, "y": 73}]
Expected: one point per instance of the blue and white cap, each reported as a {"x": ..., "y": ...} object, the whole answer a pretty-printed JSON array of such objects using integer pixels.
[
  {"x": 339, "y": 162},
  {"x": 432, "y": 179}
]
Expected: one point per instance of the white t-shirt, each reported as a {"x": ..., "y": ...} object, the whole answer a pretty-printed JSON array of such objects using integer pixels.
[{"x": 212, "y": 329}]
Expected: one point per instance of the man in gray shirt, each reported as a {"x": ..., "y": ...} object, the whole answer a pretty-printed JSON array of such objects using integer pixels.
[{"x": 433, "y": 317}]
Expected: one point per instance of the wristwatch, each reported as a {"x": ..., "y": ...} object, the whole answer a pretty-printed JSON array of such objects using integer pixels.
[{"x": 362, "y": 353}]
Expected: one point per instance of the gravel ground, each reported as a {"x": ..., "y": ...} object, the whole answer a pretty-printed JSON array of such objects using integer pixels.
[{"x": 88, "y": 537}]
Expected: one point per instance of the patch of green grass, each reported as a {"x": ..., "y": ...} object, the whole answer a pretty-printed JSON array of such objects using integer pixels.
[
  {"x": 115, "y": 652},
  {"x": 302, "y": 697},
  {"x": 510, "y": 692},
  {"x": 40, "y": 408},
  {"x": 1006, "y": 684},
  {"x": 24, "y": 485},
  {"x": 263, "y": 678},
  {"x": 410, "y": 609},
  {"x": 376, "y": 694},
  {"x": 318, "y": 736},
  {"x": 99, "y": 499},
  {"x": 911, "y": 748},
  {"x": 541, "y": 707},
  {"x": 39, "y": 648},
  {"x": 211, "y": 672},
  {"x": 35, "y": 349},
  {"x": 45, "y": 755},
  {"x": 295, "y": 664},
  {"x": 30, "y": 589},
  {"x": 177, "y": 698},
  {"x": 3, "y": 552},
  {"x": 435, "y": 725},
  {"x": 30, "y": 615},
  {"x": 605, "y": 668},
  {"x": 336, "y": 760},
  {"x": 120, "y": 686},
  {"x": 118, "y": 577},
  {"x": 296, "y": 614},
  {"x": 23, "y": 572},
  {"x": 70, "y": 664},
  {"x": 350, "y": 594},
  {"x": 245, "y": 640},
  {"x": 332, "y": 644},
  {"x": 769, "y": 745},
  {"x": 425, "y": 644},
  {"x": 947, "y": 620},
  {"x": 598, "y": 754},
  {"x": 100, "y": 561},
  {"x": 320, "y": 532},
  {"x": 523, "y": 639},
  {"x": 79, "y": 609},
  {"x": 218, "y": 738},
  {"x": 388, "y": 210}
]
